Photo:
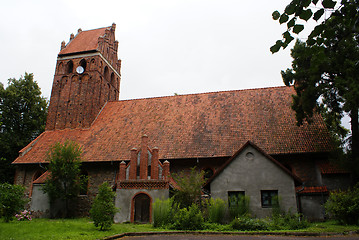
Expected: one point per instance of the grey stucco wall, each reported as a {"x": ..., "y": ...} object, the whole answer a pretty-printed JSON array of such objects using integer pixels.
[
  {"x": 124, "y": 199},
  {"x": 40, "y": 201},
  {"x": 251, "y": 175},
  {"x": 313, "y": 206}
]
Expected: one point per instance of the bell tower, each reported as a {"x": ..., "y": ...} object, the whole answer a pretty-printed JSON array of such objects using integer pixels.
[{"x": 87, "y": 75}]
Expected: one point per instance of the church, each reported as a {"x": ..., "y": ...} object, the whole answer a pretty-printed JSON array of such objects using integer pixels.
[{"x": 246, "y": 141}]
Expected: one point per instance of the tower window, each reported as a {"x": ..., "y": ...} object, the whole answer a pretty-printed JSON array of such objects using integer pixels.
[
  {"x": 83, "y": 64},
  {"x": 70, "y": 67}
]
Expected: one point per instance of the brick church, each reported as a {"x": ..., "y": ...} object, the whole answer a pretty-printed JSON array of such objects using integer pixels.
[{"x": 246, "y": 141}]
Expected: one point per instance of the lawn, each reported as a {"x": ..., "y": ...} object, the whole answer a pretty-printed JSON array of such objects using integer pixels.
[
  {"x": 84, "y": 229},
  {"x": 64, "y": 229}
]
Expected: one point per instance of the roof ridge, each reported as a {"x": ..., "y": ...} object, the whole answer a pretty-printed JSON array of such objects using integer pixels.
[{"x": 204, "y": 93}]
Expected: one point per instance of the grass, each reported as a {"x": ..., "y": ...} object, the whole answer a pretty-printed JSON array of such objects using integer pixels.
[
  {"x": 84, "y": 229},
  {"x": 67, "y": 229}
]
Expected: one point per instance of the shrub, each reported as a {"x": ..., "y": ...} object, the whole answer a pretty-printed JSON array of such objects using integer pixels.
[
  {"x": 289, "y": 221},
  {"x": 344, "y": 206},
  {"x": 11, "y": 200},
  {"x": 103, "y": 208},
  {"x": 190, "y": 219},
  {"x": 24, "y": 215},
  {"x": 216, "y": 210},
  {"x": 163, "y": 212},
  {"x": 239, "y": 206},
  {"x": 190, "y": 187},
  {"x": 246, "y": 223}
]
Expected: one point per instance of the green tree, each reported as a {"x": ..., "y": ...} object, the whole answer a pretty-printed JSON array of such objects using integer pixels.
[
  {"x": 11, "y": 200},
  {"x": 325, "y": 68},
  {"x": 65, "y": 181},
  {"x": 190, "y": 187},
  {"x": 22, "y": 116},
  {"x": 103, "y": 208}
]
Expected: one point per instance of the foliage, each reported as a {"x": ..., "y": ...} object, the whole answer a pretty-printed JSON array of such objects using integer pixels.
[
  {"x": 188, "y": 219},
  {"x": 22, "y": 117},
  {"x": 245, "y": 223},
  {"x": 288, "y": 221},
  {"x": 24, "y": 215},
  {"x": 325, "y": 68},
  {"x": 11, "y": 200},
  {"x": 216, "y": 210},
  {"x": 190, "y": 187},
  {"x": 103, "y": 208},
  {"x": 297, "y": 12},
  {"x": 239, "y": 206},
  {"x": 65, "y": 181},
  {"x": 344, "y": 206},
  {"x": 163, "y": 212}
]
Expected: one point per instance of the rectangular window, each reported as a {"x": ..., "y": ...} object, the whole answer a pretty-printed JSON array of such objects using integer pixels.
[
  {"x": 269, "y": 198},
  {"x": 234, "y": 198}
]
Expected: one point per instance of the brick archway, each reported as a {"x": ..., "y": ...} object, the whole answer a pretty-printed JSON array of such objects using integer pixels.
[{"x": 141, "y": 208}]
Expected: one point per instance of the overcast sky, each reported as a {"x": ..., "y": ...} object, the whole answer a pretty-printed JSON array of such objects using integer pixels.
[{"x": 166, "y": 47}]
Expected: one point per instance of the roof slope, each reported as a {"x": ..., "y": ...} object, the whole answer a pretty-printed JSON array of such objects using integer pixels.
[
  {"x": 249, "y": 143},
  {"x": 84, "y": 41},
  {"x": 193, "y": 126}
]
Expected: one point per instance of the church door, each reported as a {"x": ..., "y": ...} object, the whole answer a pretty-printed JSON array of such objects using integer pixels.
[{"x": 142, "y": 208}]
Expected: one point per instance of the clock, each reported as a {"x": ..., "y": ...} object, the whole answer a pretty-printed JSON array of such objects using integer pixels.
[{"x": 80, "y": 69}]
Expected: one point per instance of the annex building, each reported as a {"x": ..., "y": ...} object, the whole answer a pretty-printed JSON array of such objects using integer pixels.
[{"x": 246, "y": 141}]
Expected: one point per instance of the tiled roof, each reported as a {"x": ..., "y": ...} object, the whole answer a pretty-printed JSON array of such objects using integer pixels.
[
  {"x": 301, "y": 190},
  {"x": 329, "y": 168},
  {"x": 84, "y": 41},
  {"x": 42, "y": 178},
  {"x": 192, "y": 126}
]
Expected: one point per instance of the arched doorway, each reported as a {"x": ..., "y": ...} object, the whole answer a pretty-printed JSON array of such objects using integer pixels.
[{"x": 142, "y": 208}]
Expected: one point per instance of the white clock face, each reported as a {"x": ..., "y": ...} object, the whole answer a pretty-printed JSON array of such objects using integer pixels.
[{"x": 79, "y": 69}]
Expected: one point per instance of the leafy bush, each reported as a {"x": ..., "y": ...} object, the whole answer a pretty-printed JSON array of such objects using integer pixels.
[
  {"x": 216, "y": 210},
  {"x": 245, "y": 223},
  {"x": 239, "y": 206},
  {"x": 11, "y": 200},
  {"x": 289, "y": 221},
  {"x": 103, "y": 208},
  {"x": 190, "y": 219},
  {"x": 163, "y": 212},
  {"x": 344, "y": 206}
]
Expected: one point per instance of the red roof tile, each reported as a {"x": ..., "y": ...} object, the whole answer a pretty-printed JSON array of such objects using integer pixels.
[
  {"x": 84, "y": 41},
  {"x": 193, "y": 126},
  {"x": 42, "y": 178},
  {"x": 322, "y": 189},
  {"x": 329, "y": 168}
]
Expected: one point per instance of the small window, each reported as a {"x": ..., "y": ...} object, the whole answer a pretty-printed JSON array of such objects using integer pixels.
[
  {"x": 208, "y": 173},
  {"x": 269, "y": 198},
  {"x": 235, "y": 198}
]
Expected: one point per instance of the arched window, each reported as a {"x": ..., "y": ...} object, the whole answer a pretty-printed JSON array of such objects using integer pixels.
[
  {"x": 106, "y": 73},
  {"x": 60, "y": 68},
  {"x": 113, "y": 79},
  {"x": 83, "y": 64},
  {"x": 84, "y": 183},
  {"x": 70, "y": 67}
]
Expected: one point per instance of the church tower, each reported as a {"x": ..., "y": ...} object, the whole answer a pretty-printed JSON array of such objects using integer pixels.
[{"x": 87, "y": 75}]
